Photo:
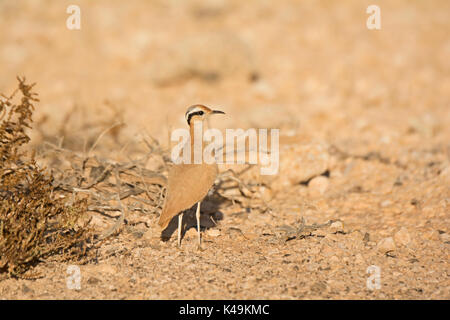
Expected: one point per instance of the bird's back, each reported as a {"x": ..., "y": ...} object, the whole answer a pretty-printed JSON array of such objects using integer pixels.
[{"x": 187, "y": 185}]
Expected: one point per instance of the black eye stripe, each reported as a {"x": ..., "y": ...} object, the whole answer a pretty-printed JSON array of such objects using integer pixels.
[{"x": 198, "y": 113}]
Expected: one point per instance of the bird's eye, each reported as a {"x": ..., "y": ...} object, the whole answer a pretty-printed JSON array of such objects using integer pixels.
[{"x": 201, "y": 113}]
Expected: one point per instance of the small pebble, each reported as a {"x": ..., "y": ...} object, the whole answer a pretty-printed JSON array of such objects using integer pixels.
[
  {"x": 213, "y": 232},
  {"x": 402, "y": 237},
  {"x": 385, "y": 203},
  {"x": 386, "y": 245},
  {"x": 318, "y": 185},
  {"x": 93, "y": 280},
  {"x": 336, "y": 226},
  {"x": 299, "y": 163},
  {"x": 445, "y": 237}
]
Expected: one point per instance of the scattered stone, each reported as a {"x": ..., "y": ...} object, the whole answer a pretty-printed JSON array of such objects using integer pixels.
[
  {"x": 300, "y": 163},
  {"x": 371, "y": 244},
  {"x": 112, "y": 288},
  {"x": 445, "y": 237},
  {"x": 93, "y": 280},
  {"x": 318, "y": 185},
  {"x": 337, "y": 226},
  {"x": 385, "y": 203},
  {"x": 390, "y": 254},
  {"x": 386, "y": 245},
  {"x": 213, "y": 232},
  {"x": 402, "y": 237},
  {"x": 318, "y": 287}
]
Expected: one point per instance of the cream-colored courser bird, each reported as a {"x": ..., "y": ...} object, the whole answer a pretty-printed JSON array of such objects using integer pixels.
[{"x": 188, "y": 184}]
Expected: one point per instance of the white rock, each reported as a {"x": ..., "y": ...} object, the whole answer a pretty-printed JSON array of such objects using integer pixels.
[
  {"x": 213, "y": 232},
  {"x": 318, "y": 185},
  {"x": 386, "y": 245},
  {"x": 337, "y": 226},
  {"x": 385, "y": 203}
]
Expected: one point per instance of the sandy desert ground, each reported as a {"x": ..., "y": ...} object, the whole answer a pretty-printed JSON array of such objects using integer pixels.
[{"x": 364, "y": 141}]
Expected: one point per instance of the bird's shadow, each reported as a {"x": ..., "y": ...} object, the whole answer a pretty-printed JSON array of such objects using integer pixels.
[{"x": 209, "y": 216}]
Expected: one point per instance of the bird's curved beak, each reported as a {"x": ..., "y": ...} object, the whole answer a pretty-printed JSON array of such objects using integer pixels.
[{"x": 218, "y": 112}]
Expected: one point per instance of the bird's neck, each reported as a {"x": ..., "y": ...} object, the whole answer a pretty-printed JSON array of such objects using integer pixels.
[{"x": 196, "y": 135}]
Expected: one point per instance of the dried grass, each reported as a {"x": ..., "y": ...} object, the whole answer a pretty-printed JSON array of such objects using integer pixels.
[{"x": 34, "y": 222}]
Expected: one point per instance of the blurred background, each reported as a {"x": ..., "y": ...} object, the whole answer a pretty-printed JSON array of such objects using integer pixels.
[{"x": 312, "y": 68}]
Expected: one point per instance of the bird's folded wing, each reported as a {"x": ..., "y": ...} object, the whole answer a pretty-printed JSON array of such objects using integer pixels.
[{"x": 187, "y": 185}]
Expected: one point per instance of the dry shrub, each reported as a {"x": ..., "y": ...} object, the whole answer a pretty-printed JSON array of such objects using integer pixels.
[{"x": 34, "y": 222}]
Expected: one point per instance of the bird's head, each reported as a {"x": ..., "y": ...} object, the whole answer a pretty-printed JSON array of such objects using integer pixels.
[{"x": 199, "y": 112}]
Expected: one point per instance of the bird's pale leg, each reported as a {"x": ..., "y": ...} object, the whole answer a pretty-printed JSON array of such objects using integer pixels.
[
  {"x": 197, "y": 215},
  {"x": 180, "y": 224}
]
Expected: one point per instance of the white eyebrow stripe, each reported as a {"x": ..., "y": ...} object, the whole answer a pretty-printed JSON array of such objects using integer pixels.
[{"x": 194, "y": 110}]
